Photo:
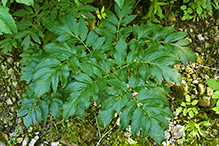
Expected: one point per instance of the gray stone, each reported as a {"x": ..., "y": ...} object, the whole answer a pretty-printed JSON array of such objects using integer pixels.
[
  {"x": 8, "y": 101},
  {"x": 2, "y": 144},
  {"x": 207, "y": 45},
  {"x": 54, "y": 143},
  {"x": 19, "y": 140},
  {"x": 177, "y": 131},
  {"x": 204, "y": 101},
  {"x": 3, "y": 67},
  {"x": 201, "y": 88},
  {"x": 216, "y": 38},
  {"x": 34, "y": 140},
  {"x": 15, "y": 84},
  {"x": 167, "y": 134},
  {"x": 210, "y": 91},
  {"x": 25, "y": 141},
  {"x": 200, "y": 37},
  {"x": 10, "y": 60},
  {"x": 30, "y": 129},
  {"x": 3, "y": 139}
]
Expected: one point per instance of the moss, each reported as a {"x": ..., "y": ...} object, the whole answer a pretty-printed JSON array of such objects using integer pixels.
[
  {"x": 2, "y": 138},
  {"x": 199, "y": 60}
]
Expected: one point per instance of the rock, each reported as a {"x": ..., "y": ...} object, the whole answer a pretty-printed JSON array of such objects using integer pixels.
[
  {"x": 55, "y": 143},
  {"x": 210, "y": 91},
  {"x": 200, "y": 37},
  {"x": 167, "y": 135},
  {"x": 34, "y": 140},
  {"x": 131, "y": 141},
  {"x": 179, "y": 91},
  {"x": 204, "y": 101},
  {"x": 3, "y": 67},
  {"x": 19, "y": 140},
  {"x": 10, "y": 60},
  {"x": 207, "y": 45},
  {"x": 25, "y": 141},
  {"x": 65, "y": 141},
  {"x": 201, "y": 88},
  {"x": 30, "y": 129},
  {"x": 217, "y": 22},
  {"x": 165, "y": 143},
  {"x": 195, "y": 82},
  {"x": 3, "y": 139},
  {"x": 216, "y": 38},
  {"x": 177, "y": 131},
  {"x": 183, "y": 82},
  {"x": 215, "y": 132},
  {"x": 15, "y": 84},
  {"x": 88, "y": 135},
  {"x": 8, "y": 101},
  {"x": 172, "y": 17}
]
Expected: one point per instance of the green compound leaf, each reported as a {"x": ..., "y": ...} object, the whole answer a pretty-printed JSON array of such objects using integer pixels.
[
  {"x": 7, "y": 23},
  {"x": 117, "y": 84},
  {"x": 176, "y": 36},
  {"x": 47, "y": 72},
  {"x": 26, "y": 2},
  {"x": 108, "y": 25},
  {"x": 45, "y": 108},
  {"x": 127, "y": 113},
  {"x": 138, "y": 114},
  {"x": 163, "y": 32},
  {"x": 120, "y": 3},
  {"x": 82, "y": 78},
  {"x": 80, "y": 94},
  {"x": 213, "y": 84},
  {"x": 27, "y": 120},
  {"x": 112, "y": 17},
  {"x": 82, "y": 29},
  {"x": 70, "y": 107},
  {"x": 120, "y": 54},
  {"x": 91, "y": 38},
  {"x": 56, "y": 105},
  {"x": 128, "y": 19}
]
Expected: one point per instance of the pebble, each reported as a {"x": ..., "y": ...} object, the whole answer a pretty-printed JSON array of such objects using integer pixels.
[
  {"x": 34, "y": 140},
  {"x": 19, "y": 140},
  {"x": 30, "y": 129},
  {"x": 210, "y": 91},
  {"x": 183, "y": 82},
  {"x": 3, "y": 67},
  {"x": 195, "y": 82},
  {"x": 201, "y": 88},
  {"x": 55, "y": 143},
  {"x": 25, "y": 141},
  {"x": 15, "y": 84},
  {"x": 200, "y": 37},
  {"x": 8, "y": 101},
  {"x": 177, "y": 131},
  {"x": 10, "y": 60},
  {"x": 167, "y": 135},
  {"x": 204, "y": 101}
]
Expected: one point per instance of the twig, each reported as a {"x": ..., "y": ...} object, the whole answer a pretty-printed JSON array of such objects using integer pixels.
[
  {"x": 206, "y": 67},
  {"x": 97, "y": 125},
  {"x": 135, "y": 5}
]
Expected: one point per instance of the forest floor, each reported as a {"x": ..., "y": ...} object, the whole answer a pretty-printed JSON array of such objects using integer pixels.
[{"x": 204, "y": 124}]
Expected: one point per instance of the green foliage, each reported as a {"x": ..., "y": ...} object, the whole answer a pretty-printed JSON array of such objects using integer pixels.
[
  {"x": 214, "y": 85},
  {"x": 188, "y": 107},
  {"x": 194, "y": 127},
  {"x": 7, "y": 23},
  {"x": 195, "y": 9},
  {"x": 194, "y": 130},
  {"x": 67, "y": 66},
  {"x": 155, "y": 10}
]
